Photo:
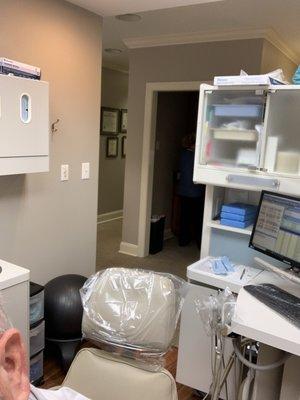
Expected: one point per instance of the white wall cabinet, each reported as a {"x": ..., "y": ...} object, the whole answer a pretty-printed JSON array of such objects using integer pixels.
[
  {"x": 24, "y": 125},
  {"x": 247, "y": 137}
]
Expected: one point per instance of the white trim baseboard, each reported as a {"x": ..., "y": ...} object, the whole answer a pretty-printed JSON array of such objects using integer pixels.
[
  {"x": 110, "y": 216},
  {"x": 168, "y": 234},
  {"x": 129, "y": 249}
]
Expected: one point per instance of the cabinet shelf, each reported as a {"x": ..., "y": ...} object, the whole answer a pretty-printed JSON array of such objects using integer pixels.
[
  {"x": 235, "y": 135},
  {"x": 217, "y": 225}
]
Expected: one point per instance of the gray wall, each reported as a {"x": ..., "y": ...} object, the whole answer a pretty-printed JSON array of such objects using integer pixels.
[
  {"x": 49, "y": 226},
  {"x": 193, "y": 62},
  {"x": 112, "y": 170},
  {"x": 272, "y": 58}
]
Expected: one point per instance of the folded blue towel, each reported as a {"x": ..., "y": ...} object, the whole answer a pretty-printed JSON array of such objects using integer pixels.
[
  {"x": 239, "y": 208},
  {"x": 236, "y": 224},
  {"x": 237, "y": 217}
]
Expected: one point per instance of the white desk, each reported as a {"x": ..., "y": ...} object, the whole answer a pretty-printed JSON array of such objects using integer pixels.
[
  {"x": 255, "y": 320},
  {"x": 194, "y": 358}
]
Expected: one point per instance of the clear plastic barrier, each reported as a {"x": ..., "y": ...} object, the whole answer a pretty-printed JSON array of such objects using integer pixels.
[{"x": 132, "y": 312}]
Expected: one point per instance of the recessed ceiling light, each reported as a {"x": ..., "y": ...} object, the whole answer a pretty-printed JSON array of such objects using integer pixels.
[
  {"x": 113, "y": 51},
  {"x": 129, "y": 17}
]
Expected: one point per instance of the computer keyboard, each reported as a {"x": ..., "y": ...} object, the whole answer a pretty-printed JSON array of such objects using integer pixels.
[{"x": 282, "y": 302}]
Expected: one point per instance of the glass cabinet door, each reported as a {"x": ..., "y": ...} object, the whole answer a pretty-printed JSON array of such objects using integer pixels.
[
  {"x": 282, "y": 153},
  {"x": 232, "y": 128}
]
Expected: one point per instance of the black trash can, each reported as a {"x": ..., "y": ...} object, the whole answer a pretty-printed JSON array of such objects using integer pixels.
[{"x": 157, "y": 233}]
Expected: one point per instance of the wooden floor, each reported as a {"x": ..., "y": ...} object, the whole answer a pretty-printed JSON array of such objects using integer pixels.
[{"x": 54, "y": 376}]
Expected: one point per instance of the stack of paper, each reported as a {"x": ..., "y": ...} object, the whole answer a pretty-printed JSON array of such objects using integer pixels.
[{"x": 19, "y": 69}]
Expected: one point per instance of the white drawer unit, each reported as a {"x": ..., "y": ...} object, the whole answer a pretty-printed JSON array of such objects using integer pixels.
[
  {"x": 37, "y": 368},
  {"x": 247, "y": 138},
  {"x": 37, "y": 339},
  {"x": 24, "y": 125},
  {"x": 36, "y": 303}
]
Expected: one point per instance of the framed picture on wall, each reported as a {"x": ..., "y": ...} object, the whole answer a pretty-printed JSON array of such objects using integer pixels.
[
  {"x": 110, "y": 121},
  {"x": 123, "y": 120},
  {"x": 123, "y": 152},
  {"x": 112, "y": 147}
]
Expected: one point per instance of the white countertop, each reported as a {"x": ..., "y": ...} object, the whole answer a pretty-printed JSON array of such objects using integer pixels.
[
  {"x": 12, "y": 274},
  {"x": 255, "y": 320},
  {"x": 252, "y": 318}
]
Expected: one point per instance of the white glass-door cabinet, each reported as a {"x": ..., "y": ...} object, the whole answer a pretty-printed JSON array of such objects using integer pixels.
[{"x": 249, "y": 137}]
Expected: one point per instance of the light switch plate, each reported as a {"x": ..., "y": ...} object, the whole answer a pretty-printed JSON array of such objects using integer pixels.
[
  {"x": 64, "y": 172},
  {"x": 85, "y": 170}
]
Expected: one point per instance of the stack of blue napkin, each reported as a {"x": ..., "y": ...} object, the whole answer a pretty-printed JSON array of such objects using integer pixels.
[
  {"x": 238, "y": 215},
  {"x": 222, "y": 266}
]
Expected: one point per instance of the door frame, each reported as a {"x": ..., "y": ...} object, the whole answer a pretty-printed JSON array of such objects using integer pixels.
[{"x": 148, "y": 154}]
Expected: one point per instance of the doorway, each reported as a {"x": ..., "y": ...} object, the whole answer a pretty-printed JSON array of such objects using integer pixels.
[
  {"x": 150, "y": 145},
  {"x": 175, "y": 198}
]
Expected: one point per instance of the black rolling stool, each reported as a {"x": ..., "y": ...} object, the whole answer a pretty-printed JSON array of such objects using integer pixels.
[{"x": 63, "y": 315}]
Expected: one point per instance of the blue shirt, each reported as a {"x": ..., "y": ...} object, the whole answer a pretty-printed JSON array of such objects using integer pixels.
[{"x": 186, "y": 186}]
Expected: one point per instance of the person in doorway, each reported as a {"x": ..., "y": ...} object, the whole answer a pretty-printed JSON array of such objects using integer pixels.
[
  {"x": 191, "y": 195},
  {"x": 14, "y": 380}
]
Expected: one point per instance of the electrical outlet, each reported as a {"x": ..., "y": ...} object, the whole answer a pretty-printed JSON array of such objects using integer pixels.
[
  {"x": 64, "y": 172},
  {"x": 85, "y": 170}
]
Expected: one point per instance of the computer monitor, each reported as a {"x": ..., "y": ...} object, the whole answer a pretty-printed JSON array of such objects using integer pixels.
[{"x": 276, "y": 230}]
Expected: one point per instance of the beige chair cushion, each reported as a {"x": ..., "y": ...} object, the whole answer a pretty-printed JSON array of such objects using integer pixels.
[
  {"x": 100, "y": 376},
  {"x": 131, "y": 307}
]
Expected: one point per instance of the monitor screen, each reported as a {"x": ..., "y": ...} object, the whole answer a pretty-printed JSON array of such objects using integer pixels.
[{"x": 276, "y": 231}]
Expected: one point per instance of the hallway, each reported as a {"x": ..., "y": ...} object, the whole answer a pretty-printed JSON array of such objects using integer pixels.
[{"x": 173, "y": 259}]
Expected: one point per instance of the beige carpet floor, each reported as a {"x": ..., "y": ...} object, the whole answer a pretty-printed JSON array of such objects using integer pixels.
[{"x": 172, "y": 259}]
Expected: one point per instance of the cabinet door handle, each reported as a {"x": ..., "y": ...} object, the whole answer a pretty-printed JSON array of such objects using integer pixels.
[
  {"x": 25, "y": 108},
  {"x": 253, "y": 181}
]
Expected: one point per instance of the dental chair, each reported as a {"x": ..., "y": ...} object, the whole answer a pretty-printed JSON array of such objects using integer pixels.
[{"x": 133, "y": 314}]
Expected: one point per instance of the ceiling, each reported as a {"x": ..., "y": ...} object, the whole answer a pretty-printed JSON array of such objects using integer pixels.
[
  {"x": 115, "y": 7},
  {"x": 197, "y": 22}
]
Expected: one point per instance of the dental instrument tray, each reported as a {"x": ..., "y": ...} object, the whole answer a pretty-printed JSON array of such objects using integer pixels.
[
  {"x": 201, "y": 271},
  {"x": 280, "y": 301}
]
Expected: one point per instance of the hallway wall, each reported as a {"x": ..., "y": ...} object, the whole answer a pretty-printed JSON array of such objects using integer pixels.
[{"x": 112, "y": 170}]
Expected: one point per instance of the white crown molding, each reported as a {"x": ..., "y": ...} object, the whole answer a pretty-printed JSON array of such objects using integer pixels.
[
  {"x": 114, "y": 67},
  {"x": 212, "y": 36},
  {"x": 276, "y": 40}
]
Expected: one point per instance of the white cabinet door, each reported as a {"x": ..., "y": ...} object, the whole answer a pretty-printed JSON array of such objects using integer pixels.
[
  {"x": 264, "y": 154},
  {"x": 230, "y": 127},
  {"x": 24, "y": 117},
  {"x": 282, "y": 153}
]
